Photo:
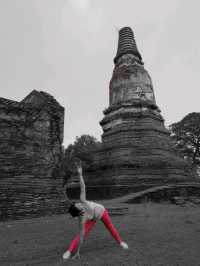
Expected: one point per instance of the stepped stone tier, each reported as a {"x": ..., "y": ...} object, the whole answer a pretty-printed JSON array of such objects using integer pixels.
[
  {"x": 31, "y": 136},
  {"x": 136, "y": 147}
]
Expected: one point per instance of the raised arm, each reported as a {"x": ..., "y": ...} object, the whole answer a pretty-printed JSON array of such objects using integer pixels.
[{"x": 82, "y": 183}]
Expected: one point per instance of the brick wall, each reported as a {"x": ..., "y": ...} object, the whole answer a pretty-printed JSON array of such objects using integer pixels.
[{"x": 31, "y": 136}]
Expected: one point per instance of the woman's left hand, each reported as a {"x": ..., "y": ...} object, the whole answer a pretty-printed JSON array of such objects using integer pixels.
[{"x": 77, "y": 255}]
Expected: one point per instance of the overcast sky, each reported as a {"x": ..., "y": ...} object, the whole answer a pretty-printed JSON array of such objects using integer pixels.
[{"x": 66, "y": 47}]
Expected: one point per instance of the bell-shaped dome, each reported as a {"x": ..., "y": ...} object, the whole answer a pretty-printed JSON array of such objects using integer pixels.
[{"x": 131, "y": 82}]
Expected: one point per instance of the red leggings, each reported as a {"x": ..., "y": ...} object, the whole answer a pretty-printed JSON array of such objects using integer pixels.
[{"x": 89, "y": 225}]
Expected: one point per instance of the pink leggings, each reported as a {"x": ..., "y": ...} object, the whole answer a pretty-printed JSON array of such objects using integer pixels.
[{"x": 89, "y": 225}]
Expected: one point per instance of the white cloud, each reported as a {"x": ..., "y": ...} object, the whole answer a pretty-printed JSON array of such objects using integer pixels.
[{"x": 80, "y": 5}]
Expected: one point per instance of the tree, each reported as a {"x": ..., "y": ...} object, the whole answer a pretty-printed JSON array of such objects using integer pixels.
[
  {"x": 186, "y": 135},
  {"x": 82, "y": 149}
]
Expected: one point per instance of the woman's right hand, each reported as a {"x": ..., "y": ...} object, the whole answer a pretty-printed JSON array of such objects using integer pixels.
[{"x": 79, "y": 168}]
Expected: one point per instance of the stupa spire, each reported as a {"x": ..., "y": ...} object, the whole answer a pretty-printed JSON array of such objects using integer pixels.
[{"x": 127, "y": 44}]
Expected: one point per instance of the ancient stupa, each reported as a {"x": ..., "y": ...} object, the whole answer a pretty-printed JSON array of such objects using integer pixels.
[{"x": 136, "y": 147}]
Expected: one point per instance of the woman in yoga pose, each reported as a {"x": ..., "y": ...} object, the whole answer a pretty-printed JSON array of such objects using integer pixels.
[{"x": 88, "y": 213}]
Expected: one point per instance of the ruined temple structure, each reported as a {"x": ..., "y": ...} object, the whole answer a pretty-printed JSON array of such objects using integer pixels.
[
  {"x": 31, "y": 136},
  {"x": 136, "y": 147}
]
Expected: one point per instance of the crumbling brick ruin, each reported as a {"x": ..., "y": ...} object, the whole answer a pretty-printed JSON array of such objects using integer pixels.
[{"x": 31, "y": 136}]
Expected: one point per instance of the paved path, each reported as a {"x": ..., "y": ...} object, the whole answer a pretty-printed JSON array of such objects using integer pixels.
[{"x": 135, "y": 195}]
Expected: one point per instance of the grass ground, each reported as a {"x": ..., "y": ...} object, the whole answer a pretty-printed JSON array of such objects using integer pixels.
[{"x": 157, "y": 234}]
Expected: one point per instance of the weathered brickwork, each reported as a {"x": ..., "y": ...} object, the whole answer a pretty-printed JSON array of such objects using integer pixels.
[
  {"x": 31, "y": 136},
  {"x": 136, "y": 146}
]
